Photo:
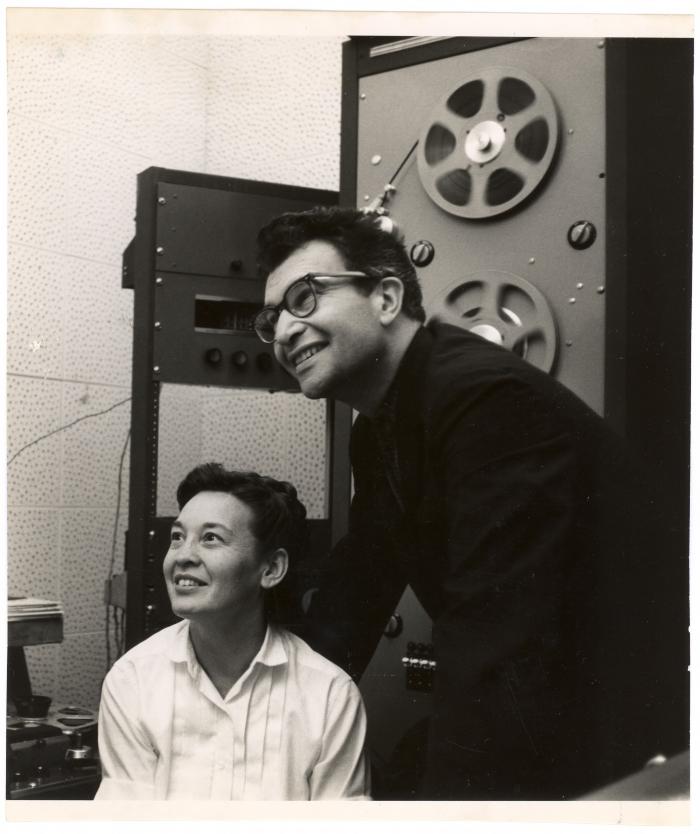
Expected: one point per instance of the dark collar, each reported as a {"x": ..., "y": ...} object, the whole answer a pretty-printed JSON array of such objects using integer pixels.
[{"x": 410, "y": 378}]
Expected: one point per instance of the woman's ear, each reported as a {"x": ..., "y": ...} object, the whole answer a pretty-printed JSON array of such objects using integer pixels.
[
  {"x": 390, "y": 298},
  {"x": 276, "y": 565}
]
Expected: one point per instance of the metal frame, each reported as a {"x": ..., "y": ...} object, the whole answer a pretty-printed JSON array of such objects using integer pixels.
[{"x": 140, "y": 273}]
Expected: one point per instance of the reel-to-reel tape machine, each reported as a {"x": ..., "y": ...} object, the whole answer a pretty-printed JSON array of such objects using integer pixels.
[
  {"x": 542, "y": 189},
  {"x": 503, "y": 203}
]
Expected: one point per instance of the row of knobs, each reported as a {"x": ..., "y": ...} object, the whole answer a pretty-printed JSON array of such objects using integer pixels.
[{"x": 240, "y": 360}]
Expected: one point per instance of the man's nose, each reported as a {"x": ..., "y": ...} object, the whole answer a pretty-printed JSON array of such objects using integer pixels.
[{"x": 287, "y": 329}]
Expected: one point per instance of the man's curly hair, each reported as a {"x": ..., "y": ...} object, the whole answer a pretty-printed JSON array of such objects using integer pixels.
[{"x": 359, "y": 238}]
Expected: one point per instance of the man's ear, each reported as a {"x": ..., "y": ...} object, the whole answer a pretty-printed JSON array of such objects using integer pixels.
[
  {"x": 276, "y": 565},
  {"x": 390, "y": 298}
]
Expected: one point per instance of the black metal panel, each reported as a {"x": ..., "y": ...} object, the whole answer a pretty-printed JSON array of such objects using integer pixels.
[
  {"x": 144, "y": 407},
  {"x": 650, "y": 220},
  {"x": 349, "y": 119},
  {"x": 208, "y": 230}
]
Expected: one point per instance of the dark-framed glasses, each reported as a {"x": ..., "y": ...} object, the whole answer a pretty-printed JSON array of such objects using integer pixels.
[{"x": 300, "y": 299}]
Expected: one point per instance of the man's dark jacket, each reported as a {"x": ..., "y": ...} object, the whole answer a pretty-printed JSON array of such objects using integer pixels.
[{"x": 507, "y": 505}]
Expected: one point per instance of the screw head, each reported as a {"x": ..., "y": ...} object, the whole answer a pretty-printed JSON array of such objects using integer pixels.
[
  {"x": 376, "y": 159},
  {"x": 600, "y": 290},
  {"x": 156, "y": 369},
  {"x": 157, "y": 325},
  {"x": 159, "y": 281},
  {"x": 162, "y": 201},
  {"x": 579, "y": 286},
  {"x": 572, "y": 301},
  {"x": 159, "y": 250},
  {"x": 531, "y": 261}
]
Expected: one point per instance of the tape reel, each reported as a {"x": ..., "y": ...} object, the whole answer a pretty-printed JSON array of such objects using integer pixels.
[
  {"x": 488, "y": 144},
  {"x": 503, "y": 308}
]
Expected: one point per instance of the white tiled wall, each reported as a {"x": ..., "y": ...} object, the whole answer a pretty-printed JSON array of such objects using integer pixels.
[{"x": 86, "y": 115}]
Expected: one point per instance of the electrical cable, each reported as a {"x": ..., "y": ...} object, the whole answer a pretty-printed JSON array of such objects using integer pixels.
[
  {"x": 113, "y": 560},
  {"x": 405, "y": 160},
  {"x": 67, "y": 426}
]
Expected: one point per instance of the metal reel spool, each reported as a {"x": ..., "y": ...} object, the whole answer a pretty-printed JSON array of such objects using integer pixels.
[
  {"x": 488, "y": 144},
  {"x": 505, "y": 309}
]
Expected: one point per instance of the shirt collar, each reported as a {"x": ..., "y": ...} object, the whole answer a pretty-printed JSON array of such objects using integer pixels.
[{"x": 180, "y": 649}]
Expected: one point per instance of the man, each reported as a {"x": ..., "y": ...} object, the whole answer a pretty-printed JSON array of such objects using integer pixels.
[
  {"x": 503, "y": 501},
  {"x": 225, "y": 704}
]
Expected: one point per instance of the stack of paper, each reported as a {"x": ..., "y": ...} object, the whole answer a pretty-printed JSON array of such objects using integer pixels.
[{"x": 30, "y": 608}]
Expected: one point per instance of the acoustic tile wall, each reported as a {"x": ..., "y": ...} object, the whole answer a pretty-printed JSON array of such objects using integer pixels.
[
  {"x": 86, "y": 115},
  {"x": 274, "y": 109}
]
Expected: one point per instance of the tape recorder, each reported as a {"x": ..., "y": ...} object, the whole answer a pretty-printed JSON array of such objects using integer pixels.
[
  {"x": 54, "y": 756},
  {"x": 529, "y": 180}
]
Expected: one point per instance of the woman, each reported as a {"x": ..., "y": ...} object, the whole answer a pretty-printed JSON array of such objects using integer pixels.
[{"x": 226, "y": 705}]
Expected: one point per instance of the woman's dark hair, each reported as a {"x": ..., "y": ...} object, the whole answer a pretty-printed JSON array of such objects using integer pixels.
[
  {"x": 359, "y": 238},
  {"x": 279, "y": 517}
]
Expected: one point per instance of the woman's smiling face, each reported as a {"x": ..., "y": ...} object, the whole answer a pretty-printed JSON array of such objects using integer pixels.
[{"x": 213, "y": 568}]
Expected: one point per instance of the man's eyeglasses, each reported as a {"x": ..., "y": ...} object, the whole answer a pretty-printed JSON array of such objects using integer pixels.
[{"x": 300, "y": 299}]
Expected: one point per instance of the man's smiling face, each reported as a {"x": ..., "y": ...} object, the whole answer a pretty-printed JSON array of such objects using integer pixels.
[{"x": 336, "y": 351}]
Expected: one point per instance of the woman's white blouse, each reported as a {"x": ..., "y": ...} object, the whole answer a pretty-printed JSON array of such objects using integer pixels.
[{"x": 292, "y": 727}]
